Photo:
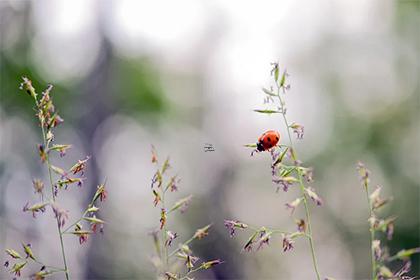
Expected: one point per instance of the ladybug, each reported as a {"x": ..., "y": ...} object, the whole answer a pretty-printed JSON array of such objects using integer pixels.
[{"x": 268, "y": 140}]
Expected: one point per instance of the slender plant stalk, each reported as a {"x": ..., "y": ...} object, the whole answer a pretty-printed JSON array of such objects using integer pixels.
[
  {"x": 179, "y": 249},
  {"x": 66, "y": 271},
  {"x": 302, "y": 189},
  {"x": 165, "y": 253},
  {"x": 169, "y": 268},
  {"x": 189, "y": 272},
  {"x": 372, "y": 237}
]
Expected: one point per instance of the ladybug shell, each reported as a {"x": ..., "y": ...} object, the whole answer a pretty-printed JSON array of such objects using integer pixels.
[{"x": 268, "y": 140}]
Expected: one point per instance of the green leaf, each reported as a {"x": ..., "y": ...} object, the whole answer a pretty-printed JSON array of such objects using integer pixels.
[
  {"x": 268, "y": 111},
  {"x": 165, "y": 166},
  {"x": 80, "y": 232},
  {"x": 93, "y": 220},
  {"x": 404, "y": 254},
  {"x": 268, "y": 92},
  {"x": 250, "y": 145},
  {"x": 286, "y": 171},
  {"x": 181, "y": 202},
  {"x": 283, "y": 79},
  {"x": 42, "y": 274},
  {"x": 251, "y": 240},
  {"x": 276, "y": 73},
  {"x": 37, "y": 206},
  {"x": 280, "y": 158},
  {"x": 60, "y": 147},
  {"x": 58, "y": 170},
  {"x": 385, "y": 272},
  {"x": 17, "y": 267},
  {"x": 28, "y": 251},
  {"x": 92, "y": 209},
  {"x": 13, "y": 253}
]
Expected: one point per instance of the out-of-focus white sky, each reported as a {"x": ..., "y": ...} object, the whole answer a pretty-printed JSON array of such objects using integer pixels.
[{"x": 232, "y": 43}]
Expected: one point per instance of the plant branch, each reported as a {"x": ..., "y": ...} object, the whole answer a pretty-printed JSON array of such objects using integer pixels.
[
  {"x": 372, "y": 236},
  {"x": 177, "y": 250},
  {"x": 52, "y": 192},
  {"x": 302, "y": 187}
]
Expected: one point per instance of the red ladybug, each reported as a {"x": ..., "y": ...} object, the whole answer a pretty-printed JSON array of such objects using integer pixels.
[{"x": 268, "y": 140}]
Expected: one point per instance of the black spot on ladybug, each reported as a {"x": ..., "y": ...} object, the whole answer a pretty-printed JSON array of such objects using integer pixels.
[
  {"x": 277, "y": 139},
  {"x": 268, "y": 139}
]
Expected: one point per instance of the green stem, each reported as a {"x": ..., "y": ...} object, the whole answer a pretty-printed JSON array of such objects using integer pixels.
[
  {"x": 372, "y": 237},
  {"x": 177, "y": 250},
  {"x": 302, "y": 189},
  {"x": 73, "y": 224},
  {"x": 164, "y": 247},
  {"x": 308, "y": 218},
  {"x": 83, "y": 215},
  {"x": 48, "y": 266},
  {"x": 53, "y": 196},
  {"x": 189, "y": 272}
]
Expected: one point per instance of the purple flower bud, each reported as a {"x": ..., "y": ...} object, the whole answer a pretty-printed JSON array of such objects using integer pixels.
[
  {"x": 233, "y": 225},
  {"x": 292, "y": 205},
  {"x": 287, "y": 243},
  {"x": 264, "y": 239},
  {"x": 389, "y": 230},
  {"x": 301, "y": 225},
  {"x": 170, "y": 237},
  {"x": 298, "y": 129},
  {"x": 284, "y": 182},
  {"x": 376, "y": 247},
  {"x": 61, "y": 214},
  {"x": 312, "y": 194},
  {"x": 363, "y": 173}
]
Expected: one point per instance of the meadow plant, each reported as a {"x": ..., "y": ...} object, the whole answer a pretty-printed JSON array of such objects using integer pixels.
[
  {"x": 59, "y": 180},
  {"x": 179, "y": 263},
  {"x": 382, "y": 229},
  {"x": 287, "y": 171}
]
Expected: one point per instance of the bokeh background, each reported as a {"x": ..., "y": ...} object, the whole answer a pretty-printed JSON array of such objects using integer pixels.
[{"x": 179, "y": 74}]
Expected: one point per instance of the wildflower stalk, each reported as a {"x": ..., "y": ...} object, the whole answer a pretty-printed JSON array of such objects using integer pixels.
[
  {"x": 46, "y": 144},
  {"x": 302, "y": 186},
  {"x": 167, "y": 264},
  {"x": 49, "y": 119},
  {"x": 372, "y": 235},
  {"x": 380, "y": 257}
]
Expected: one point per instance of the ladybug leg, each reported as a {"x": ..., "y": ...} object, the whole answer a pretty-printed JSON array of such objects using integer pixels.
[{"x": 254, "y": 151}]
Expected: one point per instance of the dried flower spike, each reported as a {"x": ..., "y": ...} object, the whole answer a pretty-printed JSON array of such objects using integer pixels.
[
  {"x": 48, "y": 118},
  {"x": 163, "y": 238}
]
